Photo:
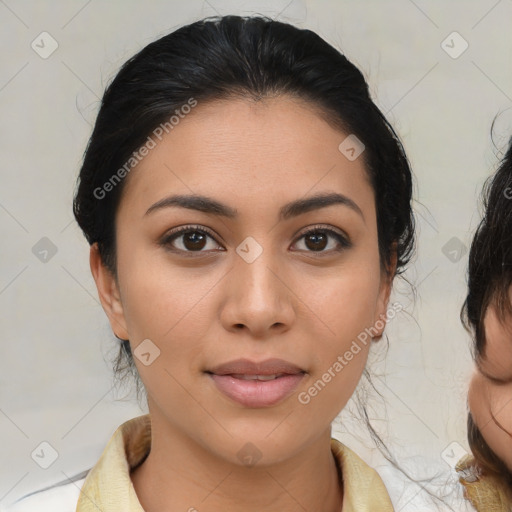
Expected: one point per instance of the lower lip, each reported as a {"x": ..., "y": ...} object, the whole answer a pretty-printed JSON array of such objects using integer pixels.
[{"x": 257, "y": 393}]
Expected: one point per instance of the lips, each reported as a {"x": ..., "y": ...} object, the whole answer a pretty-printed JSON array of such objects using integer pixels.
[
  {"x": 258, "y": 377},
  {"x": 248, "y": 367},
  {"x": 257, "y": 384}
]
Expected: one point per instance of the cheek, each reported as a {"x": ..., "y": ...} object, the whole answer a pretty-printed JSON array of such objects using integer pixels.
[
  {"x": 165, "y": 303},
  {"x": 336, "y": 376},
  {"x": 484, "y": 398},
  {"x": 169, "y": 308},
  {"x": 500, "y": 404},
  {"x": 499, "y": 440},
  {"x": 342, "y": 330},
  {"x": 347, "y": 299}
]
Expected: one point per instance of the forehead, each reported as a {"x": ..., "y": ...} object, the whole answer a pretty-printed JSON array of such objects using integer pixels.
[{"x": 241, "y": 150}]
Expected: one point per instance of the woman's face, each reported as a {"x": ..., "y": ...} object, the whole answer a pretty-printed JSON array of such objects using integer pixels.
[
  {"x": 243, "y": 282},
  {"x": 490, "y": 392}
]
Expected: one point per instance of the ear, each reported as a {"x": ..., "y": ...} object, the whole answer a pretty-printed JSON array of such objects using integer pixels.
[
  {"x": 108, "y": 292},
  {"x": 386, "y": 284}
]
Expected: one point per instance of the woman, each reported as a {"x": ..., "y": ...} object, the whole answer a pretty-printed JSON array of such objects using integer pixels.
[
  {"x": 248, "y": 207},
  {"x": 487, "y": 312}
]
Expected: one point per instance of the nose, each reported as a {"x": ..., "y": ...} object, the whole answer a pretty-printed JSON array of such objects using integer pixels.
[{"x": 258, "y": 298}]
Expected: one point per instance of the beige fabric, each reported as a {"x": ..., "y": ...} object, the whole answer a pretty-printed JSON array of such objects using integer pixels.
[
  {"x": 108, "y": 486},
  {"x": 484, "y": 492},
  {"x": 363, "y": 489}
]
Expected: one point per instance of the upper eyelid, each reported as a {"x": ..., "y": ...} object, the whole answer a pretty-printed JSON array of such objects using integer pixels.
[{"x": 319, "y": 227}]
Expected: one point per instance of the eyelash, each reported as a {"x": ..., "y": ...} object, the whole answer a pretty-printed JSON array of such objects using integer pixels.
[{"x": 170, "y": 237}]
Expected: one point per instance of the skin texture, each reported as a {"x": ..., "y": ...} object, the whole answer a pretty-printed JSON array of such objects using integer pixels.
[
  {"x": 293, "y": 302},
  {"x": 490, "y": 391}
]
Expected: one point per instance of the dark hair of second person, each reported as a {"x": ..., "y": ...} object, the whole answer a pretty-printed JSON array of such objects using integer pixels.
[{"x": 487, "y": 312}]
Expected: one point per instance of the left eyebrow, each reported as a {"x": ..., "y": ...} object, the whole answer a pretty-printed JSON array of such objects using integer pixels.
[{"x": 293, "y": 209}]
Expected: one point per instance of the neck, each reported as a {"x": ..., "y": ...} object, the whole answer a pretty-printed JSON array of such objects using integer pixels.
[{"x": 179, "y": 474}]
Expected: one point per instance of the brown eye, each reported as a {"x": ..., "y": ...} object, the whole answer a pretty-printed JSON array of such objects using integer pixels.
[
  {"x": 194, "y": 240},
  {"x": 317, "y": 239},
  {"x": 190, "y": 238}
]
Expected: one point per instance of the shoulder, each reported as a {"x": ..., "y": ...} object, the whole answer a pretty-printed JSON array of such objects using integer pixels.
[{"x": 60, "y": 497}]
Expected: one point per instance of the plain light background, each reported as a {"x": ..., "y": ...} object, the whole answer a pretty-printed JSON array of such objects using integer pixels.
[{"x": 56, "y": 380}]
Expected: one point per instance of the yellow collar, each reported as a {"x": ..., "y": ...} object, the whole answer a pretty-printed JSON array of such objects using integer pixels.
[
  {"x": 485, "y": 492},
  {"x": 108, "y": 486}
]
